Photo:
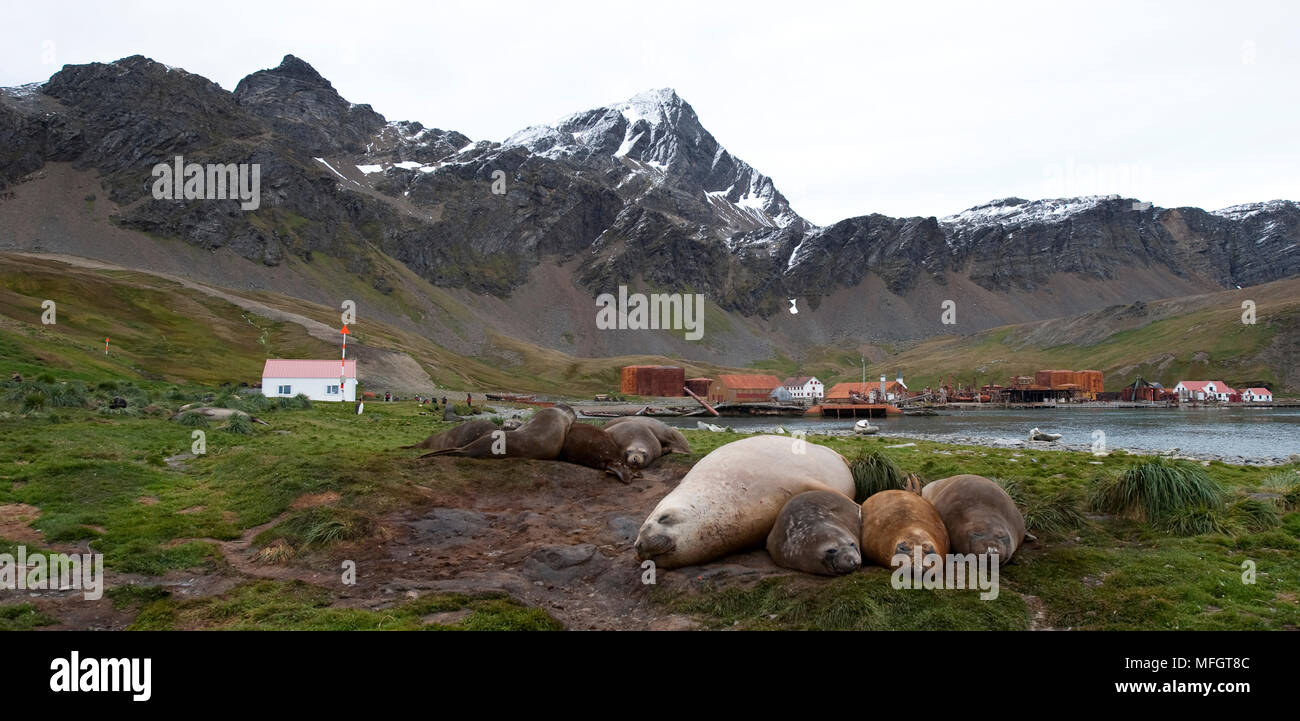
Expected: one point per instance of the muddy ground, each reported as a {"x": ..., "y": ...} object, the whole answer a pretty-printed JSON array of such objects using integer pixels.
[{"x": 560, "y": 539}]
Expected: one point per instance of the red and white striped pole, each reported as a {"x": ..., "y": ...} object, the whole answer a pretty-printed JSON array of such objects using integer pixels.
[{"x": 343, "y": 365}]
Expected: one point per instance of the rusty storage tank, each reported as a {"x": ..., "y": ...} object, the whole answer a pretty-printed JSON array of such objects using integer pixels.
[{"x": 648, "y": 380}]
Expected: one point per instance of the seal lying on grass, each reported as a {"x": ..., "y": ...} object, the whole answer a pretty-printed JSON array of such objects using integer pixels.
[
  {"x": 216, "y": 413},
  {"x": 645, "y": 439},
  {"x": 979, "y": 515},
  {"x": 540, "y": 438},
  {"x": 461, "y": 435},
  {"x": 817, "y": 532},
  {"x": 895, "y": 522},
  {"x": 730, "y": 500}
]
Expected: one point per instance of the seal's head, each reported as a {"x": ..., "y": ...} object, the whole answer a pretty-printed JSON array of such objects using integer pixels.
[
  {"x": 567, "y": 409},
  {"x": 620, "y": 471},
  {"x": 991, "y": 536},
  {"x": 916, "y": 537},
  {"x": 839, "y": 553},
  {"x": 666, "y": 533},
  {"x": 512, "y": 423},
  {"x": 636, "y": 457}
]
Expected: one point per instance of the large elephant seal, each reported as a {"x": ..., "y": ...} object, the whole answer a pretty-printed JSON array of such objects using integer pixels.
[
  {"x": 730, "y": 500},
  {"x": 456, "y": 437},
  {"x": 978, "y": 514},
  {"x": 540, "y": 438},
  {"x": 895, "y": 522},
  {"x": 645, "y": 439},
  {"x": 587, "y": 445},
  {"x": 817, "y": 532}
]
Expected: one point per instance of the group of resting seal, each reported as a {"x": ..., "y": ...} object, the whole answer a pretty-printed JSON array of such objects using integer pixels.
[
  {"x": 623, "y": 447},
  {"x": 798, "y": 499}
]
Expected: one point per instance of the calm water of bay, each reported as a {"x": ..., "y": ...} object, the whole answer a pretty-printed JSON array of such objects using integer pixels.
[{"x": 1247, "y": 432}]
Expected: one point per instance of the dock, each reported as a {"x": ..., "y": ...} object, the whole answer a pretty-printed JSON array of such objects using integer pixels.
[{"x": 853, "y": 410}]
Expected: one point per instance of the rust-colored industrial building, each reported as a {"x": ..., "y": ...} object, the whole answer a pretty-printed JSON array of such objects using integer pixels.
[
  {"x": 699, "y": 386},
  {"x": 743, "y": 388},
  {"x": 1086, "y": 383},
  {"x": 653, "y": 380},
  {"x": 1048, "y": 384}
]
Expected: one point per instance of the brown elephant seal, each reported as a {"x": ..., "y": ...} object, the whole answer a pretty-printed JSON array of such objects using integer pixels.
[
  {"x": 730, "y": 500},
  {"x": 979, "y": 515},
  {"x": 540, "y": 437},
  {"x": 645, "y": 439},
  {"x": 817, "y": 532},
  {"x": 456, "y": 437},
  {"x": 587, "y": 445},
  {"x": 895, "y": 522}
]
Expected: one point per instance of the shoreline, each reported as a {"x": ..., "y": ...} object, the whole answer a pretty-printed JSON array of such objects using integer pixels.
[{"x": 1028, "y": 445}]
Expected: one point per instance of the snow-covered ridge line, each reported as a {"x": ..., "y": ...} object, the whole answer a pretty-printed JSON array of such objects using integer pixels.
[
  {"x": 1246, "y": 210},
  {"x": 1020, "y": 211}
]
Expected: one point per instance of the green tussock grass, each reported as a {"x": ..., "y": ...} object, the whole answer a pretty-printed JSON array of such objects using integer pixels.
[
  {"x": 1197, "y": 520},
  {"x": 1055, "y": 512},
  {"x": 189, "y": 419},
  {"x": 1287, "y": 485},
  {"x": 1254, "y": 515},
  {"x": 318, "y": 527},
  {"x": 299, "y": 402},
  {"x": 1155, "y": 490},
  {"x": 239, "y": 424},
  {"x": 874, "y": 472}
]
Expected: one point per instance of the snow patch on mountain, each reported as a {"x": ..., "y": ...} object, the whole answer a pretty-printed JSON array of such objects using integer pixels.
[{"x": 1248, "y": 210}]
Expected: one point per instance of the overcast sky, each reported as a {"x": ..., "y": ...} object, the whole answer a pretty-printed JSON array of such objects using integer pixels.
[{"x": 851, "y": 108}]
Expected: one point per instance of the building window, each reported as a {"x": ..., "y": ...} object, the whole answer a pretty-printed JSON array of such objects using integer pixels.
[
  {"x": 284, "y": 390},
  {"x": 331, "y": 390}
]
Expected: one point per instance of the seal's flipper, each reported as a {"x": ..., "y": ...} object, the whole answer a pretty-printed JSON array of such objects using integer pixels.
[{"x": 444, "y": 452}]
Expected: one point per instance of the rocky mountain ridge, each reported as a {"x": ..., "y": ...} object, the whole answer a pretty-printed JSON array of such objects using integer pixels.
[{"x": 633, "y": 193}]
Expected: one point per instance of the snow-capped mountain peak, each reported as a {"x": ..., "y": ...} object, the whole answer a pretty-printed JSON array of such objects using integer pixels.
[{"x": 656, "y": 135}]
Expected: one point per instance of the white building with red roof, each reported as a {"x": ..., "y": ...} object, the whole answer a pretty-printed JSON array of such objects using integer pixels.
[
  {"x": 1205, "y": 390},
  {"x": 1257, "y": 395},
  {"x": 804, "y": 387},
  {"x": 319, "y": 380}
]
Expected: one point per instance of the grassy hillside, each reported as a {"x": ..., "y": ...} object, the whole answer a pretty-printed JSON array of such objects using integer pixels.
[
  {"x": 1199, "y": 337},
  {"x": 163, "y": 330},
  {"x": 157, "y": 329}
]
